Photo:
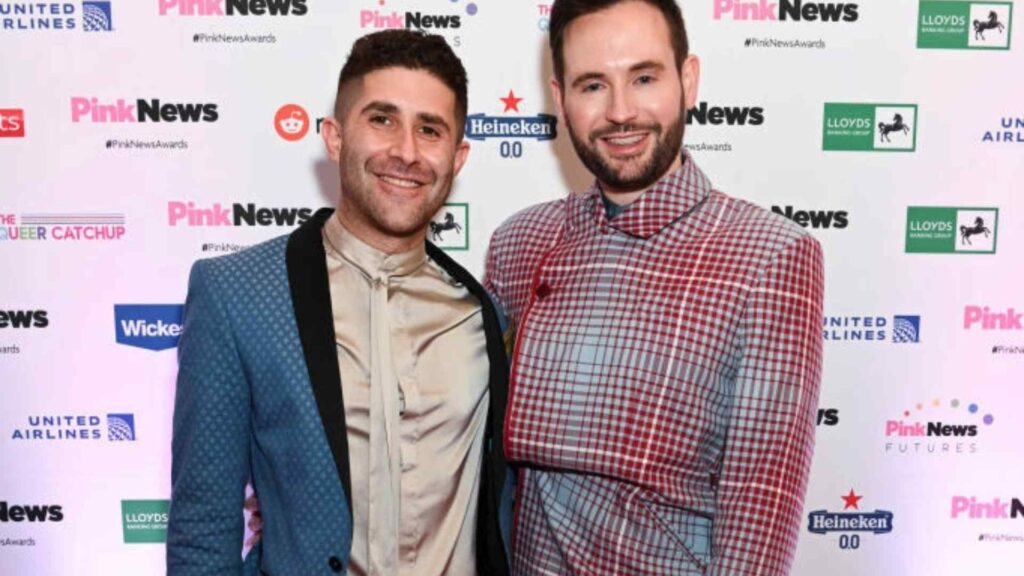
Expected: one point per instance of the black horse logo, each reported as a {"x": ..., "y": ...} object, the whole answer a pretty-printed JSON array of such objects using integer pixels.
[
  {"x": 436, "y": 228},
  {"x": 992, "y": 22},
  {"x": 896, "y": 126},
  {"x": 979, "y": 228}
]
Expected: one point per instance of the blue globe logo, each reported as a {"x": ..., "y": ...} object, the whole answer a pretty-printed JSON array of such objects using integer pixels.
[
  {"x": 121, "y": 427},
  {"x": 96, "y": 17}
]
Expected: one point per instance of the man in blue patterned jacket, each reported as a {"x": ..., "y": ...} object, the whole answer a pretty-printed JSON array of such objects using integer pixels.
[{"x": 351, "y": 370}]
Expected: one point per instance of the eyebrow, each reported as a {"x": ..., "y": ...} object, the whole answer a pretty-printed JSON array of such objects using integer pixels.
[
  {"x": 645, "y": 65},
  {"x": 389, "y": 108}
]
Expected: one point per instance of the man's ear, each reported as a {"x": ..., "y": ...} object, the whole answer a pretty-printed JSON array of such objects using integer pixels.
[
  {"x": 330, "y": 132},
  {"x": 461, "y": 153},
  {"x": 556, "y": 95},
  {"x": 689, "y": 74}
]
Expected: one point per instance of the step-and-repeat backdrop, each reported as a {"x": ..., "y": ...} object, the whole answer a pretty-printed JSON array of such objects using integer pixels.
[{"x": 137, "y": 136}]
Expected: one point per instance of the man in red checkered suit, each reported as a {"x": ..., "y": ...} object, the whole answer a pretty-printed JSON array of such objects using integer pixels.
[{"x": 668, "y": 350}]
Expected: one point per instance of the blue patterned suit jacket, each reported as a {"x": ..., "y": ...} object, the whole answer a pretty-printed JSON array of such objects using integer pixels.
[{"x": 259, "y": 398}]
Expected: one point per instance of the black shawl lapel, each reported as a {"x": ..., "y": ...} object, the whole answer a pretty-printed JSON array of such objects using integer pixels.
[
  {"x": 311, "y": 300},
  {"x": 491, "y": 557}
]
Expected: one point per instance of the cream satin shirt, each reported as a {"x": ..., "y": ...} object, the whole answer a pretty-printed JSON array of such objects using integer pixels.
[{"x": 414, "y": 372}]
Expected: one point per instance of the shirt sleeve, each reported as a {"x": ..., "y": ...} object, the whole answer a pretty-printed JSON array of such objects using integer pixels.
[
  {"x": 770, "y": 438},
  {"x": 210, "y": 443}
]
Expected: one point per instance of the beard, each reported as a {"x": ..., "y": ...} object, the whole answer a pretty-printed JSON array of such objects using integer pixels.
[{"x": 629, "y": 179}]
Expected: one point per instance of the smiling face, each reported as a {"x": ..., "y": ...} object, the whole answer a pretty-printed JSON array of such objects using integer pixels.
[
  {"x": 622, "y": 97},
  {"x": 398, "y": 151}
]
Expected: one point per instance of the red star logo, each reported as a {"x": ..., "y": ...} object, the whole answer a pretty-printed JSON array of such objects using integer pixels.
[
  {"x": 511, "y": 102},
  {"x": 851, "y": 500}
]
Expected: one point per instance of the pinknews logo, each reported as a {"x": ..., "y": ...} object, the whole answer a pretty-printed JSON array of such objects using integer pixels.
[
  {"x": 233, "y": 7},
  {"x": 187, "y": 214},
  {"x": 85, "y": 109},
  {"x": 938, "y": 427},
  {"x": 795, "y": 10},
  {"x": 969, "y": 508},
  {"x": 983, "y": 318},
  {"x": 378, "y": 19}
]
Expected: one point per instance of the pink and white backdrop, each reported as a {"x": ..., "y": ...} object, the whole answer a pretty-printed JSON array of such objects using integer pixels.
[{"x": 137, "y": 136}]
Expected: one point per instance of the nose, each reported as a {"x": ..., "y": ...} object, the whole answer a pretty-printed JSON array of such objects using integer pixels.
[
  {"x": 621, "y": 107},
  {"x": 404, "y": 146}
]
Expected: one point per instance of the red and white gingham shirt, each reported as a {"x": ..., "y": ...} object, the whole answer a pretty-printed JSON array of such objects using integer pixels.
[{"x": 664, "y": 382}]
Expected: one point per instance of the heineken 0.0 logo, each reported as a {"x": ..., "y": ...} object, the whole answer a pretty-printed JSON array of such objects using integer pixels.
[
  {"x": 943, "y": 230},
  {"x": 958, "y": 25},
  {"x": 145, "y": 521},
  {"x": 870, "y": 127}
]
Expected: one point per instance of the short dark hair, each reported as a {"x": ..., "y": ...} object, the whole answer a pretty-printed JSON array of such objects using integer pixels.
[
  {"x": 407, "y": 49},
  {"x": 563, "y": 12}
]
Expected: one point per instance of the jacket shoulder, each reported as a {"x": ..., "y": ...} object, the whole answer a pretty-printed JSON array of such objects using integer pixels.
[
  {"x": 258, "y": 259},
  {"x": 537, "y": 221},
  {"x": 774, "y": 232}
]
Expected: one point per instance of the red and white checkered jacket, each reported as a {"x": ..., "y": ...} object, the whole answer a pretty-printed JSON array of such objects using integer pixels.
[{"x": 664, "y": 381}]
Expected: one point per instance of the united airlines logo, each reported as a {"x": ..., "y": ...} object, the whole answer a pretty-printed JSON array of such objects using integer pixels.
[
  {"x": 96, "y": 17},
  {"x": 93, "y": 16},
  {"x": 121, "y": 427},
  {"x": 906, "y": 329},
  {"x": 148, "y": 326},
  {"x": 902, "y": 329}
]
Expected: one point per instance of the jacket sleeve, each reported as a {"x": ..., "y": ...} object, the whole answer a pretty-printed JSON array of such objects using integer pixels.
[
  {"x": 210, "y": 446},
  {"x": 770, "y": 438}
]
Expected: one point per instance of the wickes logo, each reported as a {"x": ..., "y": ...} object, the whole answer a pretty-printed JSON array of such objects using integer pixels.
[
  {"x": 234, "y": 7},
  {"x": 815, "y": 218},
  {"x": 31, "y": 513},
  {"x": 729, "y": 115},
  {"x": 149, "y": 326},
  {"x": 85, "y": 109},
  {"x": 186, "y": 213},
  {"x": 24, "y": 319},
  {"x": 787, "y": 10}
]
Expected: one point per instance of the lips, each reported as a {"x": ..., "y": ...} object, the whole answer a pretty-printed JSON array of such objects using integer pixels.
[
  {"x": 625, "y": 144},
  {"x": 402, "y": 182}
]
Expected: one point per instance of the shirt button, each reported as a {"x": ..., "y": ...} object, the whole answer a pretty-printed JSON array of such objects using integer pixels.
[
  {"x": 543, "y": 290},
  {"x": 335, "y": 563}
]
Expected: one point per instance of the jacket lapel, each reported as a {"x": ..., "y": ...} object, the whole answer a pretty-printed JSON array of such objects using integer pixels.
[
  {"x": 311, "y": 299},
  {"x": 491, "y": 557}
]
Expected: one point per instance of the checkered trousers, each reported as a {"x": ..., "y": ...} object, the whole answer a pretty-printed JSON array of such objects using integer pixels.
[{"x": 664, "y": 382}]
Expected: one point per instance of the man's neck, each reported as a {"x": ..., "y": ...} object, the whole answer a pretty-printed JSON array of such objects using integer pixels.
[{"x": 386, "y": 243}]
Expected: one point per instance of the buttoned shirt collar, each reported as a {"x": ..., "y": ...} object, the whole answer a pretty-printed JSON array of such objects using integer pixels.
[
  {"x": 370, "y": 261},
  {"x": 668, "y": 200}
]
